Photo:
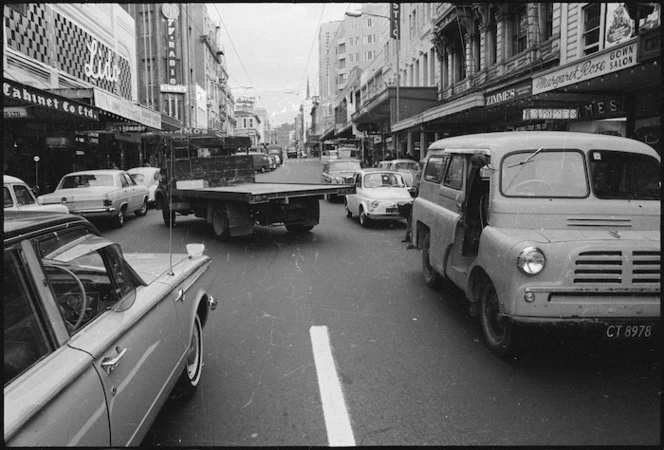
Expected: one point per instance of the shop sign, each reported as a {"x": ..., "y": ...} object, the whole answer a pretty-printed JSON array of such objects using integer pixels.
[
  {"x": 15, "y": 112},
  {"x": 195, "y": 131},
  {"x": 56, "y": 141},
  {"x": 550, "y": 113},
  {"x": 618, "y": 24},
  {"x": 99, "y": 66},
  {"x": 601, "y": 64},
  {"x": 126, "y": 109},
  {"x": 50, "y": 101},
  {"x": 507, "y": 94},
  {"x": 171, "y": 13},
  {"x": 601, "y": 108},
  {"x": 175, "y": 88}
]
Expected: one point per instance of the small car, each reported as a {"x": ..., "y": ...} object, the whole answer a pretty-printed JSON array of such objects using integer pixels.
[
  {"x": 100, "y": 194},
  {"x": 94, "y": 339},
  {"x": 379, "y": 195},
  {"x": 339, "y": 171},
  {"x": 407, "y": 167},
  {"x": 273, "y": 161},
  {"x": 261, "y": 161},
  {"x": 19, "y": 197},
  {"x": 544, "y": 229},
  {"x": 148, "y": 177}
]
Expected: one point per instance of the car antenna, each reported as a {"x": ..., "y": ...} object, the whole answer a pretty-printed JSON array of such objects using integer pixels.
[{"x": 169, "y": 168}]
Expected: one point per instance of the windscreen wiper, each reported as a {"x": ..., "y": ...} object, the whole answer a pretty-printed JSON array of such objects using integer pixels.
[{"x": 528, "y": 159}]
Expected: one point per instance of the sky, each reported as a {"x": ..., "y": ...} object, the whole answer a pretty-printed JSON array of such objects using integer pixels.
[{"x": 271, "y": 49}]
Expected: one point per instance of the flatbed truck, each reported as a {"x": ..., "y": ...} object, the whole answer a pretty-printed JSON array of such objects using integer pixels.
[{"x": 223, "y": 191}]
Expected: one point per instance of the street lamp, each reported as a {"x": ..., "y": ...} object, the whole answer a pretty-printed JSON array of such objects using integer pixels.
[{"x": 36, "y": 160}]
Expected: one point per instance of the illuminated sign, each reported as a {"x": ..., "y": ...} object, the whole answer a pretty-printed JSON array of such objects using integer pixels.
[
  {"x": 550, "y": 113},
  {"x": 100, "y": 66},
  {"x": 171, "y": 13}
]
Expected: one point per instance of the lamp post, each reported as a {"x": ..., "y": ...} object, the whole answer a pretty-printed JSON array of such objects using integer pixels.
[{"x": 36, "y": 160}]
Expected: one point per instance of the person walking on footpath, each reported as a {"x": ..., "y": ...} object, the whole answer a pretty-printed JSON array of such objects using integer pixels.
[{"x": 409, "y": 219}]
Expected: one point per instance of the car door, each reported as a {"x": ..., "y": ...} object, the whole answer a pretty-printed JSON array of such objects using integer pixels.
[
  {"x": 451, "y": 196},
  {"x": 353, "y": 199},
  {"x": 52, "y": 394},
  {"x": 134, "y": 192},
  {"x": 134, "y": 338}
]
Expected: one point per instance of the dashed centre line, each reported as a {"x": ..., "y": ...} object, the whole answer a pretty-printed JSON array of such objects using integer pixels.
[{"x": 337, "y": 421}]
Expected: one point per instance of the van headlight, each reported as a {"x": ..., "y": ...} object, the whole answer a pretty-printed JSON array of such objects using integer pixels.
[{"x": 531, "y": 261}]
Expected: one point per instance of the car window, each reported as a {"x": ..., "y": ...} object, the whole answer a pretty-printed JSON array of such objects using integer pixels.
[
  {"x": 123, "y": 180},
  {"x": 25, "y": 336},
  {"x": 9, "y": 202},
  {"x": 547, "y": 173},
  {"x": 138, "y": 177},
  {"x": 621, "y": 175},
  {"x": 86, "y": 180},
  {"x": 454, "y": 173},
  {"x": 23, "y": 195},
  {"x": 433, "y": 170},
  {"x": 373, "y": 180},
  {"x": 407, "y": 166},
  {"x": 345, "y": 166},
  {"x": 84, "y": 283}
]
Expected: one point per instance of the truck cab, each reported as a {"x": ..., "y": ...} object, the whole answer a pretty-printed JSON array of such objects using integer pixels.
[{"x": 544, "y": 228}]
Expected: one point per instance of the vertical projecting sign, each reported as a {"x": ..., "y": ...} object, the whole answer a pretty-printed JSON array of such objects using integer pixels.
[
  {"x": 395, "y": 20},
  {"x": 171, "y": 13}
]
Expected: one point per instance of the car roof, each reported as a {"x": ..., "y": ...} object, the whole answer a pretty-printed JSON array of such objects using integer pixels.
[
  {"x": 11, "y": 179},
  {"x": 500, "y": 143},
  {"x": 142, "y": 169},
  {"x": 97, "y": 172},
  {"x": 20, "y": 223},
  {"x": 377, "y": 169},
  {"x": 332, "y": 161}
]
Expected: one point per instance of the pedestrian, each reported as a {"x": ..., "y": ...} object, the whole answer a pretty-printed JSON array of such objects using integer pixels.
[
  {"x": 114, "y": 166},
  {"x": 409, "y": 220}
]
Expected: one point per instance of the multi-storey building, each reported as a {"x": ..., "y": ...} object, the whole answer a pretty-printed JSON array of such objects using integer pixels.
[
  {"x": 182, "y": 71},
  {"x": 70, "y": 90},
  {"x": 479, "y": 67}
]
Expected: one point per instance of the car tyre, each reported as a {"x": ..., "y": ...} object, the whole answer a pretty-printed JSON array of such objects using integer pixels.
[
  {"x": 220, "y": 224},
  {"x": 431, "y": 277},
  {"x": 262, "y": 169},
  {"x": 167, "y": 215},
  {"x": 144, "y": 208},
  {"x": 364, "y": 219},
  {"x": 499, "y": 335},
  {"x": 348, "y": 213},
  {"x": 120, "y": 218},
  {"x": 193, "y": 365}
]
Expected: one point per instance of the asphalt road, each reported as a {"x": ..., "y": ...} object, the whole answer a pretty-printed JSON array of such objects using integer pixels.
[{"x": 411, "y": 363}]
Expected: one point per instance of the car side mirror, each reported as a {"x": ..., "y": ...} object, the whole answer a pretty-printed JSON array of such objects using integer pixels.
[{"x": 35, "y": 190}]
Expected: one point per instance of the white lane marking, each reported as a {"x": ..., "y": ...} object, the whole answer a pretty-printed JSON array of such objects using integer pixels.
[{"x": 337, "y": 422}]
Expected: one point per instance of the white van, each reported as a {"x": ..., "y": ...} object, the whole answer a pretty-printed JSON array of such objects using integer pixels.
[{"x": 19, "y": 197}]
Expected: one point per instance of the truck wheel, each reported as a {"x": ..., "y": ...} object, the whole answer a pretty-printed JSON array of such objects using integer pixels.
[
  {"x": 499, "y": 334},
  {"x": 168, "y": 215},
  {"x": 220, "y": 224},
  {"x": 431, "y": 277},
  {"x": 299, "y": 228}
]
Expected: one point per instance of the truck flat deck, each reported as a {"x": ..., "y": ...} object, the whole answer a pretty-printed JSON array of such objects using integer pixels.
[{"x": 260, "y": 192}]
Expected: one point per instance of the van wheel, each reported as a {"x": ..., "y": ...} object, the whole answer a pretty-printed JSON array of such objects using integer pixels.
[
  {"x": 431, "y": 277},
  {"x": 220, "y": 224},
  {"x": 498, "y": 333}
]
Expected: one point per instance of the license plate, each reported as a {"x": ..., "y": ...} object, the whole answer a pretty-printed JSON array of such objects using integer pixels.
[
  {"x": 621, "y": 331},
  {"x": 392, "y": 210}
]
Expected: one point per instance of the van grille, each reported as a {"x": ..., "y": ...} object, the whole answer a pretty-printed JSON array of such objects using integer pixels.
[{"x": 611, "y": 267}]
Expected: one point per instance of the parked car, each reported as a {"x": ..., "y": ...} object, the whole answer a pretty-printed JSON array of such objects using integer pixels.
[
  {"x": 19, "y": 197},
  {"x": 148, "y": 177},
  {"x": 273, "y": 161},
  {"x": 261, "y": 161},
  {"x": 339, "y": 171},
  {"x": 379, "y": 194},
  {"x": 278, "y": 151},
  {"x": 94, "y": 340},
  {"x": 100, "y": 194},
  {"x": 547, "y": 228},
  {"x": 407, "y": 167}
]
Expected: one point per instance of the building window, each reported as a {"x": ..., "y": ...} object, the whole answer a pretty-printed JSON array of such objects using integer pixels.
[
  {"x": 592, "y": 24},
  {"x": 546, "y": 20},
  {"x": 519, "y": 29}
]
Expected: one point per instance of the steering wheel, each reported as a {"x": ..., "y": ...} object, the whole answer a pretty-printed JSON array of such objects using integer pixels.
[
  {"x": 534, "y": 181},
  {"x": 68, "y": 310}
]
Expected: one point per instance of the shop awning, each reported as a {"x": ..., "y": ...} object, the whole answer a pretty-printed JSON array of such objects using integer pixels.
[{"x": 44, "y": 105}]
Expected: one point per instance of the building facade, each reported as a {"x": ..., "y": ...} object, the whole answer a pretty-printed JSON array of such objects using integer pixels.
[
  {"x": 480, "y": 67},
  {"x": 70, "y": 90}
]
